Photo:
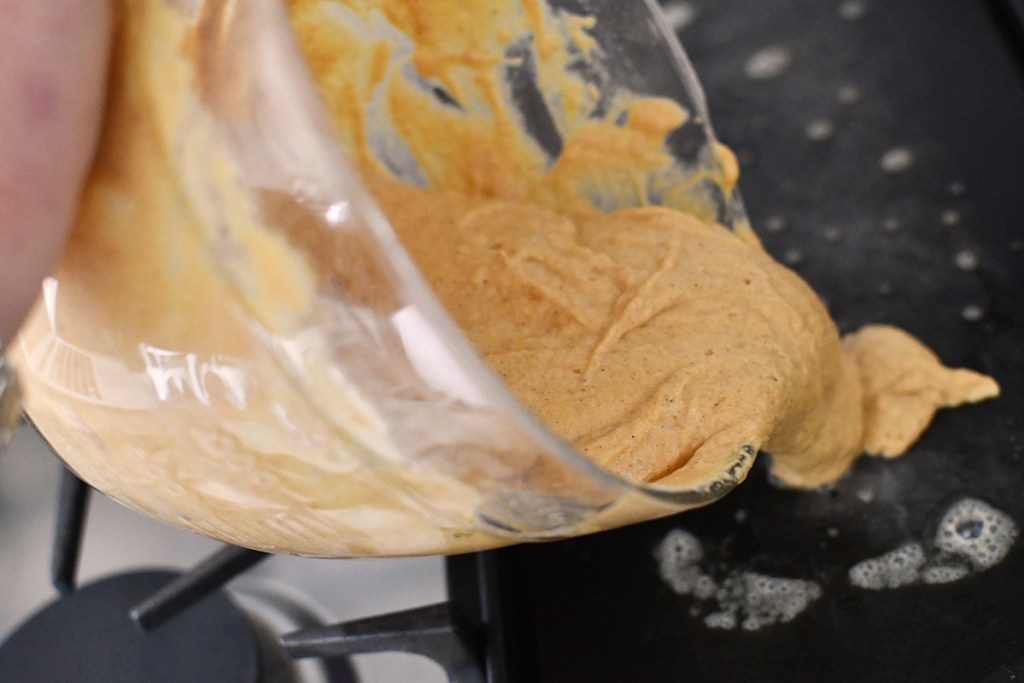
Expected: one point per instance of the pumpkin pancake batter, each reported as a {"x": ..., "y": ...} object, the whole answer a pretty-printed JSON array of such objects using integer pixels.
[
  {"x": 646, "y": 335},
  {"x": 642, "y": 336}
]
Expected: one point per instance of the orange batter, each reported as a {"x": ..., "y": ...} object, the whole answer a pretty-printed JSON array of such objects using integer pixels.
[{"x": 642, "y": 336}]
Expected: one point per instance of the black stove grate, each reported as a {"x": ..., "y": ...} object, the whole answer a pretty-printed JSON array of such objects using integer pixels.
[
  {"x": 168, "y": 627},
  {"x": 87, "y": 637}
]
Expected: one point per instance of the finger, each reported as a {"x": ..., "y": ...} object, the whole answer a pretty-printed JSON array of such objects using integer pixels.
[{"x": 53, "y": 57}]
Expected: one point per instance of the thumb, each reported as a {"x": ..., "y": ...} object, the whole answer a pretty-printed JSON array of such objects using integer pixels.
[{"x": 53, "y": 59}]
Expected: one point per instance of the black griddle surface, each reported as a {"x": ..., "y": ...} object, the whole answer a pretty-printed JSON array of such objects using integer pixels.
[{"x": 938, "y": 79}]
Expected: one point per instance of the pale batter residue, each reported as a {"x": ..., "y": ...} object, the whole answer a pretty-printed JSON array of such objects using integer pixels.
[
  {"x": 650, "y": 338},
  {"x": 431, "y": 92}
]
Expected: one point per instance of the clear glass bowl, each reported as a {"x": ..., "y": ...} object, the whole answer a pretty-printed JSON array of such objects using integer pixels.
[{"x": 193, "y": 358}]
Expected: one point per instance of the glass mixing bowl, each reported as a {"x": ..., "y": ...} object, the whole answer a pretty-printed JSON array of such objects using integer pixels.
[{"x": 236, "y": 342}]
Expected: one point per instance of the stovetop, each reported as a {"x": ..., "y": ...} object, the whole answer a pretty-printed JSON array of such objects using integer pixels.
[{"x": 882, "y": 147}]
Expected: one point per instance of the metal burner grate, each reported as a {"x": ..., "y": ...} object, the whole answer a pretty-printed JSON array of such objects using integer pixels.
[{"x": 157, "y": 626}]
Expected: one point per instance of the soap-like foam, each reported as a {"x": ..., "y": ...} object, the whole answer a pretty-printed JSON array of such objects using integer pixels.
[
  {"x": 679, "y": 548},
  {"x": 678, "y": 555},
  {"x": 977, "y": 531},
  {"x": 759, "y": 600},
  {"x": 680, "y": 14},
  {"x": 945, "y": 573},
  {"x": 768, "y": 63},
  {"x": 899, "y": 567},
  {"x": 747, "y": 600},
  {"x": 972, "y": 536}
]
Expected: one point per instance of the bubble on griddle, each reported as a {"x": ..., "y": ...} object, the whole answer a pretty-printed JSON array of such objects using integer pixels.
[
  {"x": 740, "y": 516},
  {"x": 679, "y": 548},
  {"x": 832, "y": 235},
  {"x": 897, "y": 160},
  {"x": 972, "y": 536},
  {"x": 768, "y": 63},
  {"x": 849, "y": 94},
  {"x": 775, "y": 224},
  {"x": 852, "y": 10},
  {"x": 705, "y": 587},
  {"x": 865, "y": 494},
  {"x": 794, "y": 257},
  {"x": 950, "y": 218},
  {"x": 977, "y": 531},
  {"x": 892, "y": 225},
  {"x": 820, "y": 130},
  {"x": 832, "y": 532},
  {"x": 747, "y": 600},
  {"x": 721, "y": 620},
  {"x": 966, "y": 260},
  {"x": 944, "y": 573},
  {"x": 957, "y": 188},
  {"x": 765, "y": 600},
  {"x": 972, "y": 313},
  {"x": 680, "y": 14},
  {"x": 884, "y": 289},
  {"x": 686, "y": 581},
  {"x": 678, "y": 556},
  {"x": 899, "y": 567}
]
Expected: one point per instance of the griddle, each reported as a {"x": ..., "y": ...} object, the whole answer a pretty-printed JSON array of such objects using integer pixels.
[{"x": 942, "y": 80}]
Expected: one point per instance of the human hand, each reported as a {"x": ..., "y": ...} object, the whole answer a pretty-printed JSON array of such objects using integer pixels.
[{"x": 53, "y": 66}]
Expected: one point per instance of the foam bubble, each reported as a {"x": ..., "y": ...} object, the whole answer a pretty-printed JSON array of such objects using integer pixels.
[
  {"x": 820, "y": 130},
  {"x": 972, "y": 313},
  {"x": 849, "y": 94},
  {"x": 680, "y": 546},
  {"x": 775, "y": 224},
  {"x": 677, "y": 556},
  {"x": 950, "y": 218},
  {"x": 768, "y": 600},
  {"x": 704, "y": 587},
  {"x": 852, "y": 10},
  {"x": 723, "y": 620},
  {"x": 747, "y": 600},
  {"x": 966, "y": 260},
  {"x": 892, "y": 225},
  {"x": 767, "y": 63},
  {"x": 944, "y": 573},
  {"x": 899, "y": 567},
  {"x": 832, "y": 235},
  {"x": 865, "y": 494},
  {"x": 972, "y": 536},
  {"x": 680, "y": 14},
  {"x": 794, "y": 257},
  {"x": 897, "y": 160},
  {"x": 976, "y": 530}
]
